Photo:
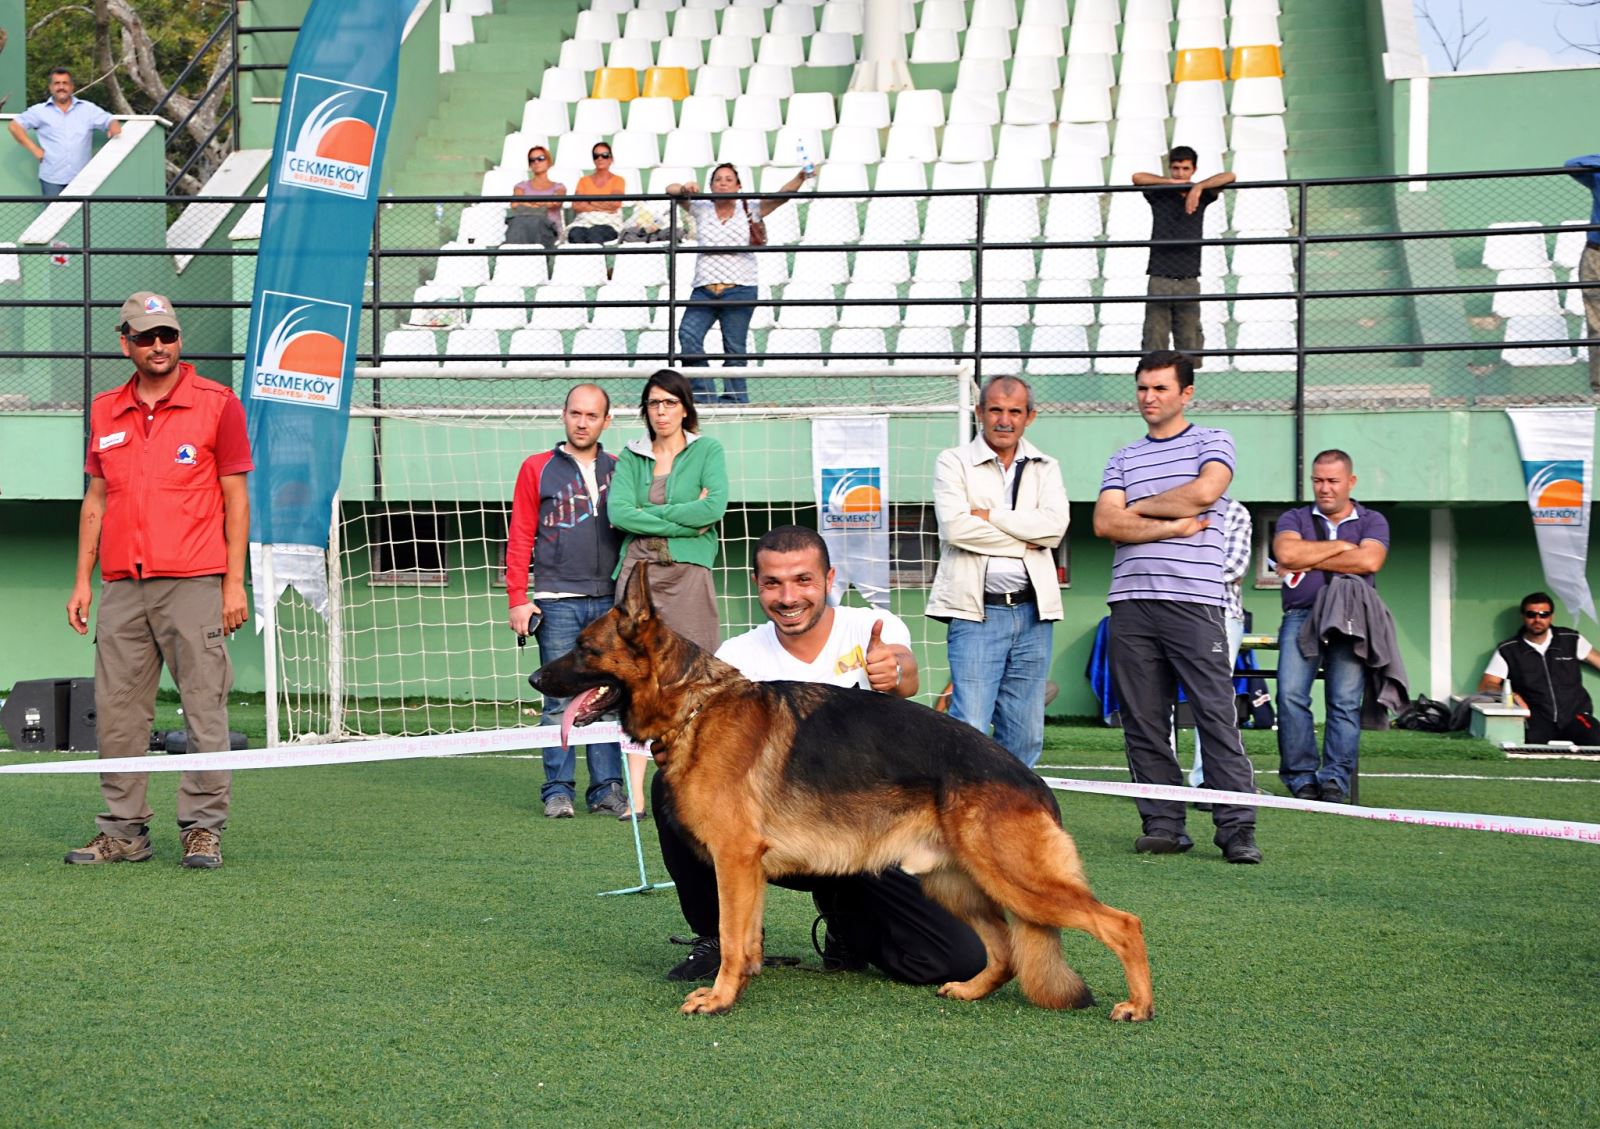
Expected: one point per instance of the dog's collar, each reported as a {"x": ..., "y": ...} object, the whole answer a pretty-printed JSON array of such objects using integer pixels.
[{"x": 666, "y": 738}]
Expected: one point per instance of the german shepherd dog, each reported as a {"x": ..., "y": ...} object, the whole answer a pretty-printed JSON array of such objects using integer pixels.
[{"x": 782, "y": 778}]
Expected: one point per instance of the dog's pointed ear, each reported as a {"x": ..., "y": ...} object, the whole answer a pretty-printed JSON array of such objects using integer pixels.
[{"x": 636, "y": 605}]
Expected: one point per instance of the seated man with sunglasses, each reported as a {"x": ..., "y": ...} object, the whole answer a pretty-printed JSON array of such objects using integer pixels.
[
  {"x": 167, "y": 517},
  {"x": 1544, "y": 664}
]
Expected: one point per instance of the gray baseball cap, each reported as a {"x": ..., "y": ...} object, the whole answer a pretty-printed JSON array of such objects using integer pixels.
[{"x": 146, "y": 310}]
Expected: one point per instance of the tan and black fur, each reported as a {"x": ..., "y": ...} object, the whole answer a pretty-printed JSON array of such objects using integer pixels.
[{"x": 781, "y": 778}]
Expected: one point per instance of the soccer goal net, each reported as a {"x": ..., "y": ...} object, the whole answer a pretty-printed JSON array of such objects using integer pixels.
[{"x": 416, "y": 638}]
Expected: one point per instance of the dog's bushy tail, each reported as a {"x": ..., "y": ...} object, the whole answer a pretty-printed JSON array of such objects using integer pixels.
[{"x": 1043, "y": 975}]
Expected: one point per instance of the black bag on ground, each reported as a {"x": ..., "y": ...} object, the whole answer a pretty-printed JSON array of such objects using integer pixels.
[{"x": 1425, "y": 716}]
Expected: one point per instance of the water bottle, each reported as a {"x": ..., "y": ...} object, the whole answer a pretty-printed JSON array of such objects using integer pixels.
[
  {"x": 805, "y": 161},
  {"x": 1506, "y": 698},
  {"x": 438, "y": 214}
]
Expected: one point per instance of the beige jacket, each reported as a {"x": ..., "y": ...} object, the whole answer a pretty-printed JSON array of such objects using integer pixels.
[{"x": 969, "y": 477}]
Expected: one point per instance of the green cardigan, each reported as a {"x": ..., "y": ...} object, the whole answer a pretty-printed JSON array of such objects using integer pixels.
[{"x": 687, "y": 520}]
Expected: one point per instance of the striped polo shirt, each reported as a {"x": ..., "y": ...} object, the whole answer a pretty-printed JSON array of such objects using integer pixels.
[{"x": 1180, "y": 569}]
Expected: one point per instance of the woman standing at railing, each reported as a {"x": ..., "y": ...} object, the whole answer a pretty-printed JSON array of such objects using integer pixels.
[
  {"x": 724, "y": 274},
  {"x": 531, "y": 222}
]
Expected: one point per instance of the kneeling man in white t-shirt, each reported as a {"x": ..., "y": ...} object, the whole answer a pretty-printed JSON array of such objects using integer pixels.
[{"x": 880, "y": 919}]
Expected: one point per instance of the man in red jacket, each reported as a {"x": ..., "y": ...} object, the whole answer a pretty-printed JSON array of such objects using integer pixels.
[{"x": 167, "y": 516}]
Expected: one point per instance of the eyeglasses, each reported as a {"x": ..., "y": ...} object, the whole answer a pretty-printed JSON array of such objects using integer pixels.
[
  {"x": 663, "y": 405},
  {"x": 601, "y": 156},
  {"x": 537, "y": 160},
  {"x": 165, "y": 334},
  {"x": 1538, "y": 615}
]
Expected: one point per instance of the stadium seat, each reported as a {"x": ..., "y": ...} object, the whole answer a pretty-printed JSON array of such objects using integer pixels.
[
  {"x": 1140, "y": 135},
  {"x": 975, "y": 107},
  {"x": 644, "y": 23},
  {"x": 1197, "y": 98},
  {"x": 935, "y": 45},
  {"x": 579, "y": 268},
  {"x": 726, "y": 50},
  {"x": 472, "y": 342},
  {"x": 1124, "y": 165},
  {"x": 1260, "y": 164},
  {"x": 1569, "y": 245},
  {"x": 542, "y": 315},
  {"x": 902, "y": 176},
  {"x": 1084, "y": 138},
  {"x": 503, "y": 318},
  {"x": 1202, "y": 132},
  {"x": 1254, "y": 8},
  {"x": 832, "y": 49},
  {"x": 1265, "y": 309},
  {"x": 605, "y": 348},
  {"x": 805, "y": 342},
  {"x": 866, "y": 109},
  {"x": 1123, "y": 286},
  {"x": 964, "y": 141},
  {"x": 1069, "y": 263},
  {"x": 620, "y": 83},
  {"x": 885, "y": 266},
  {"x": 1042, "y": 43},
  {"x": 1257, "y": 96},
  {"x": 597, "y": 115},
  {"x": 813, "y": 110},
  {"x": 1126, "y": 262},
  {"x": 532, "y": 349},
  {"x": 1022, "y": 141},
  {"x": 981, "y": 75},
  {"x": 841, "y": 17},
  {"x": 1085, "y": 103},
  {"x": 1044, "y": 13},
  {"x": 1073, "y": 217},
  {"x": 1515, "y": 252},
  {"x": 1027, "y": 108},
  {"x": 1264, "y": 258},
  {"x": 1063, "y": 313},
  {"x": 524, "y": 270},
  {"x": 1199, "y": 64},
  {"x": 1090, "y": 70},
  {"x": 1018, "y": 172},
  {"x": 482, "y": 225},
  {"x": 919, "y": 108},
  {"x": 640, "y": 269},
  {"x": 679, "y": 53},
  {"x": 582, "y": 55},
  {"x": 842, "y": 176},
  {"x": 770, "y": 78},
  {"x": 543, "y": 117},
  {"x": 1526, "y": 303},
  {"x": 706, "y": 112},
  {"x": 1202, "y": 9},
  {"x": 1057, "y": 339},
  {"x": 874, "y": 304},
  {"x": 943, "y": 15},
  {"x": 852, "y": 339},
  {"x": 994, "y": 13},
  {"x": 597, "y": 25},
  {"x": 856, "y": 145},
  {"x": 456, "y": 271},
  {"x": 718, "y": 80},
  {"x": 691, "y": 22},
  {"x": 1126, "y": 337},
  {"x": 1142, "y": 100},
  {"x": 1258, "y": 209},
  {"x": 631, "y": 54},
  {"x": 560, "y": 84},
  {"x": 652, "y": 115},
  {"x": 998, "y": 339},
  {"x": 670, "y": 79},
  {"x": 1146, "y": 35},
  {"x": 1253, "y": 34},
  {"x": 944, "y": 266},
  {"x": 911, "y": 143},
  {"x": 411, "y": 351},
  {"x": 935, "y": 345},
  {"x": 987, "y": 43},
  {"x": 792, "y": 140},
  {"x": 1097, "y": 11},
  {"x": 1158, "y": 10},
  {"x": 953, "y": 219},
  {"x": 743, "y": 147},
  {"x": 996, "y": 312},
  {"x": 779, "y": 50},
  {"x": 1265, "y": 335},
  {"x": 828, "y": 267},
  {"x": 436, "y": 307},
  {"x": 1146, "y": 66},
  {"x": 808, "y": 317},
  {"x": 1091, "y": 38},
  {"x": 663, "y": 175},
  {"x": 794, "y": 19},
  {"x": 1200, "y": 34},
  {"x": 573, "y": 150},
  {"x": 687, "y": 147},
  {"x": 1009, "y": 264},
  {"x": 620, "y": 317},
  {"x": 832, "y": 221}
]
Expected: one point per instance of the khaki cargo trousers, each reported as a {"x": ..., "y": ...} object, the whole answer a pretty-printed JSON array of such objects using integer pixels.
[{"x": 143, "y": 624}]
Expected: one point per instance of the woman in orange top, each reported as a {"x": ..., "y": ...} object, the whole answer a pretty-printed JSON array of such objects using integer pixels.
[{"x": 597, "y": 221}]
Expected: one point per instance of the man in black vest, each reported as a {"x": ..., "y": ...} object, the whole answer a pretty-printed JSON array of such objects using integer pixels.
[{"x": 1542, "y": 663}]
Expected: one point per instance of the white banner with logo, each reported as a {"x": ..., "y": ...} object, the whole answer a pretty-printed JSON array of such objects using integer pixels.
[
  {"x": 850, "y": 474},
  {"x": 1557, "y": 447}
]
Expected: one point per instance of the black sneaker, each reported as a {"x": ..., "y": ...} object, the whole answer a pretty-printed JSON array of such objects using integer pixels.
[
  {"x": 1330, "y": 793},
  {"x": 1158, "y": 843},
  {"x": 703, "y": 961},
  {"x": 836, "y": 955},
  {"x": 1308, "y": 792},
  {"x": 1240, "y": 845}
]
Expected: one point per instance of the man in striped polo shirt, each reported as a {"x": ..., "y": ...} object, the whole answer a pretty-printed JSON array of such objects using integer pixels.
[{"x": 1162, "y": 503}]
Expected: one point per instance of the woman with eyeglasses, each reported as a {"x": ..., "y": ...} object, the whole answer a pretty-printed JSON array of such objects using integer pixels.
[
  {"x": 530, "y": 222},
  {"x": 724, "y": 275},
  {"x": 668, "y": 492},
  {"x": 598, "y": 221}
]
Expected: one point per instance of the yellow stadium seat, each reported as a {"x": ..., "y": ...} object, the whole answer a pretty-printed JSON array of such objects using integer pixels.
[
  {"x": 1261, "y": 61},
  {"x": 621, "y": 83},
  {"x": 1199, "y": 64},
  {"x": 666, "y": 82}
]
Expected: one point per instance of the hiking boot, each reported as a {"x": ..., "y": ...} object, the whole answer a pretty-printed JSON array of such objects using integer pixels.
[
  {"x": 202, "y": 849},
  {"x": 836, "y": 955},
  {"x": 612, "y": 802},
  {"x": 1308, "y": 792},
  {"x": 558, "y": 806},
  {"x": 702, "y": 963},
  {"x": 103, "y": 848},
  {"x": 1240, "y": 845},
  {"x": 1161, "y": 843},
  {"x": 1330, "y": 793}
]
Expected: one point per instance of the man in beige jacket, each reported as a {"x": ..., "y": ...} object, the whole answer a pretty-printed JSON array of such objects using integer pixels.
[{"x": 1002, "y": 508}]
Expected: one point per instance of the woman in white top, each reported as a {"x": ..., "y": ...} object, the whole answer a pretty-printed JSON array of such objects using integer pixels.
[{"x": 724, "y": 276}]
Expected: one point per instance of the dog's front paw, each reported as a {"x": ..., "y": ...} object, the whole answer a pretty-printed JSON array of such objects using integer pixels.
[
  {"x": 706, "y": 1001},
  {"x": 1126, "y": 1012}
]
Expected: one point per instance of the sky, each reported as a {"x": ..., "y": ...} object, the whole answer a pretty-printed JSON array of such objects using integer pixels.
[{"x": 1519, "y": 33}]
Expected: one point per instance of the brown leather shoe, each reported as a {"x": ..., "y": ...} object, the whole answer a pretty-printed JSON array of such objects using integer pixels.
[
  {"x": 202, "y": 848},
  {"x": 103, "y": 848}
]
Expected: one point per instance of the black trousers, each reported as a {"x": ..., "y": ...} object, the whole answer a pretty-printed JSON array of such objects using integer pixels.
[
  {"x": 1155, "y": 644},
  {"x": 1578, "y": 729},
  {"x": 885, "y": 919}
]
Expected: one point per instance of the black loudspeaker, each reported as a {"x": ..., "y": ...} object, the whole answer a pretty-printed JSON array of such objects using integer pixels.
[
  {"x": 80, "y": 716},
  {"x": 36, "y": 713}
]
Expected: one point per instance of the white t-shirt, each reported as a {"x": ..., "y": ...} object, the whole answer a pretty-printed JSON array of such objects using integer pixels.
[
  {"x": 760, "y": 657},
  {"x": 1497, "y": 664}
]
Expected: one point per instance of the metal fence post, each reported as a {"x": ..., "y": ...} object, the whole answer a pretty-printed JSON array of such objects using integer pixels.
[
  {"x": 1300, "y": 351},
  {"x": 977, "y": 295},
  {"x": 88, "y": 330},
  {"x": 672, "y": 284}
]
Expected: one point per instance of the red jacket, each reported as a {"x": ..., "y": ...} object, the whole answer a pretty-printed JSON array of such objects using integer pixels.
[{"x": 163, "y": 489}]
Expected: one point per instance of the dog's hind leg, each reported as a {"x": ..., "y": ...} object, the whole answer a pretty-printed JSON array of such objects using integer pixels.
[
  {"x": 956, "y": 891},
  {"x": 1045, "y": 978}
]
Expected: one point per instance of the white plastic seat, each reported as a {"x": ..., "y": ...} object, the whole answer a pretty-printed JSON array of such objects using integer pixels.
[
  {"x": 1091, "y": 37},
  {"x": 683, "y": 51},
  {"x": 981, "y": 74},
  {"x": 1057, "y": 339},
  {"x": 887, "y": 266},
  {"x": 1146, "y": 35},
  {"x": 544, "y": 316},
  {"x": 1264, "y": 309},
  {"x": 473, "y": 341},
  {"x": 687, "y": 147},
  {"x": 1124, "y": 165},
  {"x": 743, "y": 147},
  {"x": 721, "y": 81},
  {"x": 943, "y": 266},
  {"x": 1146, "y": 66},
  {"x": 953, "y": 219},
  {"x": 562, "y": 84},
  {"x": 1264, "y": 335},
  {"x": 635, "y": 149},
  {"x": 1538, "y": 327},
  {"x": 934, "y": 342},
  {"x": 620, "y": 317},
  {"x": 745, "y": 20},
  {"x": 436, "y": 307},
  {"x": 1072, "y": 217},
  {"x": 1090, "y": 69},
  {"x": 780, "y": 50},
  {"x": 832, "y": 49},
  {"x": 1200, "y": 32},
  {"x": 1125, "y": 262},
  {"x": 994, "y": 13},
  {"x": 1262, "y": 164},
  {"x": 544, "y": 117},
  {"x": 1044, "y": 13},
  {"x": 1017, "y": 172},
  {"x": 1202, "y": 9},
  {"x": 805, "y": 342},
  {"x": 514, "y": 149},
  {"x": 935, "y": 45},
  {"x": 1085, "y": 103},
  {"x": 842, "y": 17},
  {"x": 410, "y": 352},
  {"x": 911, "y": 143},
  {"x": 663, "y": 175},
  {"x": 1071, "y": 263},
  {"x": 1096, "y": 11},
  {"x": 573, "y": 267},
  {"x": 832, "y": 221},
  {"x": 1199, "y": 97},
  {"x": 854, "y": 145},
  {"x": 1049, "y": 43},
  {"x": 730, "y": 51},
  {"x": 1515, "y": 252},
  {"x": 1256, "y": 96},
  {"x": 998, "y": 339},
  {"x": 533, "y": 349},
  {"x": 875, "y": 304},
  {"x": 1140, "y": 135},
  {"x": 640, "y": 269},
  {"x": 1031, "y": 107},
  {"x": 794, "y": 19},
  {"x": 574, "y": 148},
  {"x": 997, "y": 312},
  {"x": 943, "y": 15},
  {"x": 596, "y": 24},
  {"x": 1022, "y": 141},
  {"x": 632, "y": 54},
  {"x": 581, "y": 55},
  {"x": 1202, "y": 132},
  {"x": 866, "y": 109},
  {"x": 964, "y": 141},
  {"x": 652, "y": 115},
  {"x": 1142, "y": 100},
  {"x": 1569, "y": 245},
  {"x": 1158, "y": 10},
  {"x": 1248, "y": 31},
  {"x": 808, "y": 317},
  {"x": 1084, "y": 138},
  {"x": 482, "y": 225},
  {"x": 1254, "y": 8},
  {"x": 604, "y": 348},
  {"x": 1526, "y": 303},
  {"x": 1258, "y": 209},
  {"x": 987, "y": 43},
  {"x": 1249, "y": 134},
  {"x": 891, "y": 219},
  {"x": 1122, "y": 313},
  {"x": 849, "y": 339},
  {"x": 1266, "y": 258},
  {"x": 842, "y": 176},
  {"x": 919, "y": 108},
  {"x": 531, "y": 268},
  {"x": 811, "y": 111},
  {"x": 1072, "y": 167},
  {"x": 774, "y": 79},
  {"x": 707, "y": 112},
  {"x": 644, "y": 23},
  {"x": 649, "y": 350},
  {"x": 974, "y": 107},
  {"x": 460, "y": 270},
  {"x": 1063, "y": 313},
  {"x": 828, "y": 267},
  {"x": 1008, "y": 264},
  {"x": 1120, "y": 338}
]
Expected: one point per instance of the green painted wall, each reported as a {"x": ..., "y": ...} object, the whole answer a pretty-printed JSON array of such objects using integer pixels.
[{"x": 14, "y": 59}]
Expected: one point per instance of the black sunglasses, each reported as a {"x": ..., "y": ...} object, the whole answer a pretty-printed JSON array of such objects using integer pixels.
[
  {"x": 165, "y": 334},
  {"x": 601, "y": 156},
  {"x": 532, "y": 159},
  {"x": 1538, "y": 615}
]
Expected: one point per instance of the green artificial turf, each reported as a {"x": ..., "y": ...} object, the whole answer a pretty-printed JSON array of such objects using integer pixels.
[{"x": 410, "y": 943}]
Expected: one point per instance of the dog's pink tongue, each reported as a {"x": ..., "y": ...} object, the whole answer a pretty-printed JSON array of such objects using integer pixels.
[{"x": 574, "y": 708}]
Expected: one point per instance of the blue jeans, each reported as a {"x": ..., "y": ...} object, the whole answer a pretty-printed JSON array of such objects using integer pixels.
[
  {"x": 1344, "y": 683},
  {"x": 557, "y": 634},
  {"x": 998, "y": 670},
  {"x": 734, "y": 311},
  {"x": 50, "y": 191}
]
